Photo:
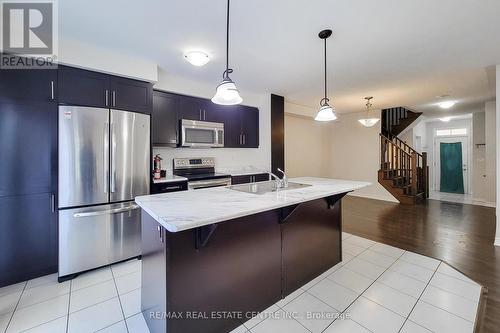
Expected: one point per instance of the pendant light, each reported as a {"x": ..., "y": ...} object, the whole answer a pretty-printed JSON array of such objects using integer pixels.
[
  {"x": 325, "y": 112},
  {"x": 227, "y": 93},
  {"x": 370, "y": 119}
]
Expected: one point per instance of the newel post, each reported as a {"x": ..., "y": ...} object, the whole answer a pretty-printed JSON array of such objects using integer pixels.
[
  {"x": 414, "y": 176},
  {"x": 425, "y": 170}
]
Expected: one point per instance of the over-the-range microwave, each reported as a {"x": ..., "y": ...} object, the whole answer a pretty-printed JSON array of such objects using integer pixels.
[{"x": 201, "y": 134}]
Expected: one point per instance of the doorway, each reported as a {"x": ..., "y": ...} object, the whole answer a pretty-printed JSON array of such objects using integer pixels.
[{"x": 452, "y": 156}]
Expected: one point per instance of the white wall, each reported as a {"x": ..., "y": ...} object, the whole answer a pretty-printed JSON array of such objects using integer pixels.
[
  {"x": 490, "y": 151},
  {"x": 479, "y": 178},
  {"x": 103, "y": 60},
  {"x": 497, "y": 151},
  {"x": 227, "y": 159},
  {"x": 307, "y": 144},
  {"x": 355, "y": 154}
]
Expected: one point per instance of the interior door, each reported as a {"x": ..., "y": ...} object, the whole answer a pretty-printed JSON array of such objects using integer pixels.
[
  {"x": 464, "y": 145},
  {"x": 83, "y": 156},
  {"x": 130, "y": 151}
]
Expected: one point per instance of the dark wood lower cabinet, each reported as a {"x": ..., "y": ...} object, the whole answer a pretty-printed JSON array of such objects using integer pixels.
[
  {"x": 235, "y": 268},
  {"x": 28, "y": 237},
  {"x": 311, "y": 237}
]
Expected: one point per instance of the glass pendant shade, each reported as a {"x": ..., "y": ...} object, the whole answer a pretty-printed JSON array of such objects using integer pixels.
[
  {"x": 325, "y": 113},
  {"x": 369, "y": 122},
  {"x": 227, "y": 93}
]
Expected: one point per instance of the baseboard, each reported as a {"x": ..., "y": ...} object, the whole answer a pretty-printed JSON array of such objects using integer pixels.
[
  {"x": 497, "y": 241},
  {"x": 372, "y": 196}
]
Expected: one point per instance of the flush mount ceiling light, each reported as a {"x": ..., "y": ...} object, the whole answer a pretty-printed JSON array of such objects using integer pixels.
[
  {"x": 371, "y": 119},
  {"x": 197, "y": 58},
  {"x": 325, "y": 112},
  {"x": 447, "y": 104},
  {"x": 445, "y": 119},
  {"x": 227, "y": 93}
]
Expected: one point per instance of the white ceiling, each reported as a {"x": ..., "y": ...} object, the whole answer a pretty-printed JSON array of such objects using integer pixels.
[{"x": 402, "y": 52}]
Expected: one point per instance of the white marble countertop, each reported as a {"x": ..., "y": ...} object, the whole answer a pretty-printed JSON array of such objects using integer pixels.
[
  {"x": 169, "y": 179},
  {"x": 178, "y": 211}
]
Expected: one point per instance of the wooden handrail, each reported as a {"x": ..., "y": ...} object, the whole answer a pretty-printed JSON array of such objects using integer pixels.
[{"x": 405, "y": 163}]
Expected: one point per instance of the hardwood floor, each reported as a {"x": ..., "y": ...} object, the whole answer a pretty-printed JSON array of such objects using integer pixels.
[{"x": 459, "y": 234}]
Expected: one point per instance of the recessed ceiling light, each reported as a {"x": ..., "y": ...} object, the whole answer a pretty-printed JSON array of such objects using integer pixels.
[
  {"x": 445, "y": 119},
  {"x": 197, "y": 58},
  {"x": 447, "y": 104}
]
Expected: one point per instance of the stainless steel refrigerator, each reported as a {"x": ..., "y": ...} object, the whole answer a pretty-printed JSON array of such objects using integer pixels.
[{"x": 104, "y": 163}]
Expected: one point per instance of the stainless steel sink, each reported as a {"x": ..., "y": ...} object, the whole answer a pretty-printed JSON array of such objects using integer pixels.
[{"x": 265, "y": 187}]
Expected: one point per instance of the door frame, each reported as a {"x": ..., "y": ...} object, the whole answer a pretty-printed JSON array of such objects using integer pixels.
[{"x": 466, "y": 156}]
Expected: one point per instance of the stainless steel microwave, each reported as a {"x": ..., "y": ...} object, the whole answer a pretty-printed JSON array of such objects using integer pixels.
[{"x": 201, "y": 134}]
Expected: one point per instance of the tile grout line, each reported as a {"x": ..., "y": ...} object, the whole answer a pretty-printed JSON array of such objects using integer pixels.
[
  {"x": 69, "y": 305},
  {"x": 306, "y": 291},
  {"x": 119, "y": 299},
  {"x": 15, "y": 308},
  {"x": 363, "y": 290},
  {"x": 413, "y": 308}
]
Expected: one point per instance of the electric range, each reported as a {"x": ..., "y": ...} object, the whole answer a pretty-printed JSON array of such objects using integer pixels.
[{"x": 200, "y": 172}]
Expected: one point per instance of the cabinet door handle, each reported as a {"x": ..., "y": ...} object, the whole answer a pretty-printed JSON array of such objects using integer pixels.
[
  {"x": 244, "y": 139},
  {"x": 53, "y": 202},
  {"x": 114, "y": 98},
  {"x": 241, "y": 139},
  {"x": 204, "y": 114},
  {"x": 160, "y": 233},
  {"x": 200, "y": 115},
  {"x": 52, "y": 93},
  {"x": 107, "y": 97}
]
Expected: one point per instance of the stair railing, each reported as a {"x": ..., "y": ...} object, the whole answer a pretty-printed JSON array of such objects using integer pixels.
[{"x": 404, "y": 163}]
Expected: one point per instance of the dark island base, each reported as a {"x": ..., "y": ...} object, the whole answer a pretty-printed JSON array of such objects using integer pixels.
[{"x": 214, "y": 278}]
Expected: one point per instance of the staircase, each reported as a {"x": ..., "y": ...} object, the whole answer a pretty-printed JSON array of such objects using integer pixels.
[{"x": 403, "y": 171}]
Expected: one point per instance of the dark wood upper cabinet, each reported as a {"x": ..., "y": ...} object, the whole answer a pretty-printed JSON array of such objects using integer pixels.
[
  {"x": 241, "y": 123},
  {"x": 83, "y": 88},
  {"x": 250, "y": 127},
  {"x": 36, "y": 85},
  {"x": 131, "y": 95},
  {"x": 28, "y": 147},
  {"x": 165, "y": 118},
  {"x": 241, "y": 127},
  {"x": 192, "y": 108},
  {"x": 88, "y": 88},
  {"x": 232, "y": 126}
]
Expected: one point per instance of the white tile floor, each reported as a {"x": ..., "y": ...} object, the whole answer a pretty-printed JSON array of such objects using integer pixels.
[
  {"x": 377, "y": 288},
  {"x": 459, "y": 198}
]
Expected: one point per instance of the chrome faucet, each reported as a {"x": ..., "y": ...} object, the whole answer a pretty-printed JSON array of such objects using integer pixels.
[
  {"x": 280, "y": 183},
  {"x": 284, "y": 180}
]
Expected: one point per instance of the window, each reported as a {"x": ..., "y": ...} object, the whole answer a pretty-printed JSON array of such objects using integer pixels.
[{"x": 451, "y": 132}]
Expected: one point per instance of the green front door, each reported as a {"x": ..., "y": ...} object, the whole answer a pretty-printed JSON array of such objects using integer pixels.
[{"x": 452, "y": 177}]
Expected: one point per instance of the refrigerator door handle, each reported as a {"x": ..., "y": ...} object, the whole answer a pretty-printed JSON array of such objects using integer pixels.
[
  {"x": 113, "y": 159},
  {"x": 106, "y": 212},
  {"x": 106, "y": 157}
]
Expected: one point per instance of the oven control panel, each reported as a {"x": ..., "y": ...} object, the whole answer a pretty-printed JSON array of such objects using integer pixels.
[{"x": 188, "y": 163}]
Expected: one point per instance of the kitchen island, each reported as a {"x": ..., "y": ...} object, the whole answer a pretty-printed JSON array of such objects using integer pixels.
[{"x": 213, "y": 258}]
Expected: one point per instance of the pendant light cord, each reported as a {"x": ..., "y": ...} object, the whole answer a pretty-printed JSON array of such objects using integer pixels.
[
  {"x": 326, "y": 99},
  {"x": 228, "y": 71}
]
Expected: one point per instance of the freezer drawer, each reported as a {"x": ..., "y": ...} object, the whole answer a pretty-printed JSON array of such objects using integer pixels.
[{"x": 96, "y": 236}]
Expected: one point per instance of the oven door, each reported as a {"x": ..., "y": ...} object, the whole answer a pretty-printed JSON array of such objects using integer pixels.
[
  {"x": 201, "y": 134},
  {"x": 199, "y": 184}
]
